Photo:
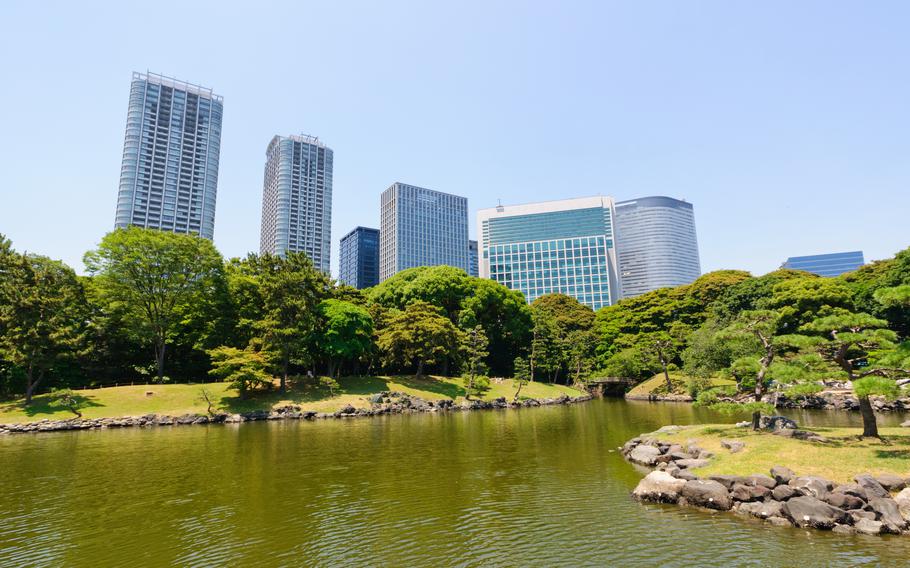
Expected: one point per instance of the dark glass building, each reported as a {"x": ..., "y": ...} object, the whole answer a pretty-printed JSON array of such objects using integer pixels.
[
  {"x": 359, "y": 258},
  {"x": 833, "y": 264},
  {"x": 473, "y": 263}
]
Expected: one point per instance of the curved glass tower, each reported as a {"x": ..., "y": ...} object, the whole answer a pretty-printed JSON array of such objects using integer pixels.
[
  {"x": 169, "y": 174},
  {"x": 656, "y": 244}
]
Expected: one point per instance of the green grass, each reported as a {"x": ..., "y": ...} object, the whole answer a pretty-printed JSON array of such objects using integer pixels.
[
  {"x": 180, "y": 399},
  {"x": 658, "y": 385},
  {"x": 839, "y": 460}
]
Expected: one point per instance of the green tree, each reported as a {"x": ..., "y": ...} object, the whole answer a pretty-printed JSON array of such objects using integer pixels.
[
  {"x": 504, "y": 316},
  {"x": 558, "y": 320},
  {"x": 150, "y": 277},
  {"x": 418, "y": 335},
  {"x": 43, "y": 314},
  {"x": 244, "y": 369},
  {"x": 345, "y": 334},
  {"x": 522, "y": 375},
  {"x": 474, "y": 350},
  {"x": 846, "y": 340}
]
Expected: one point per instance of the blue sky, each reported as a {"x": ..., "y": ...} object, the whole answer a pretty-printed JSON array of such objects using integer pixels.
[{"x": 785, "y": 123}]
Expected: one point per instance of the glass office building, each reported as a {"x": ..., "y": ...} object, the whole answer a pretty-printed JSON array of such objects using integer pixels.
[
  {"x": 833, "y": 264},
  {"x": 558, "y": 246},
  {"x": 359, "y": 258},
  {"x": 297, "y": 199},
  {"x": 656, "y": 244},
  {"x": 421, "y": 227},
  {"x": 473, "y": 269},
  {"x": 169, "y": 173}
]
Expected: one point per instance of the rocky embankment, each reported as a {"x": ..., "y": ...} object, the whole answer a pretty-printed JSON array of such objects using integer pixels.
[
  {"x": 837, "y": 399},
  {"x": 380, "y": 403},
  {"x": 782, "y": 498}
]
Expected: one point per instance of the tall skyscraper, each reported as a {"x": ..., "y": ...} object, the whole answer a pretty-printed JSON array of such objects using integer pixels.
[
  {"x": 833, "y": 264},
  {"x": 656, "y": 244},
  {"x": 169, "y": 175},
  {"x": 297, "y": 199},
  {"x": 421, "y": 227},
  {"x": 359, "y": 258},
  {"x": 557, "y": 246},
  {"x": 473, "y": 268}
]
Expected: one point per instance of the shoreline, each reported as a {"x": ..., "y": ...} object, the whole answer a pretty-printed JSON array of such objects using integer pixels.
[
  {"x": 389, "y": 402},
  {"x": 828, "y": 400}
]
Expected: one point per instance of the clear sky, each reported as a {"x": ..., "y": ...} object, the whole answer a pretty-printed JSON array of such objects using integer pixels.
[{"x": 786, "y": 124}]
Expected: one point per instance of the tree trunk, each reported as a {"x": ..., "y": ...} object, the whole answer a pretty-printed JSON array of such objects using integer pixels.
[
  {"x": 667, "y": 379},
  {"x": 285, "y": 362},
  {"x": 518, "y": 392},
  {"x": 159, "y": 357},
  {"x": 420, "y": 367},
  {"x": 331, "y": 367},
  {"x": 870, "y": 425},
  {"x": 31, "y": 385},
  {"x": 756, "y": 420}
]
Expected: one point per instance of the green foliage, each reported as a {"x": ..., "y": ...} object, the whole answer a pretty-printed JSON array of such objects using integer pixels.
[
  {"x": 346, "y": 332},
  {"x": 328, "y": 383},
  {"x": 474, "y": 347},
  {"x": 67, "y": 399},
  {"x": 899, "y": 296},
  {"x": 244, "y": 369},
  {"x": 799, "y": 301},
  {"x": 742, "y": 407},
  {"x": 706, "y": 398},
  {"x": 629, "y": 363},
  {"x": 476, "y": 386},
  {"x": 697, "y": 385},
  {"x": 876, "y": 386},
  {"x": 150, "y": 279},
  {"x": 418, "y": 335},
  {"x": 802, "y": 390}
]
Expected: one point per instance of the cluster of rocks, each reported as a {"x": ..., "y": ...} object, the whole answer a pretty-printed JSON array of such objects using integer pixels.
[
  {"x": 838, "y": 400},
  {"x": 782, "y": 498},
  {"x": 381, "y": 403}
]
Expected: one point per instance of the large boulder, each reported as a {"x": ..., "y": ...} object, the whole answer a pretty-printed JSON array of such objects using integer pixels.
[
  {"x": 741, "y": 492},
  {"x": 888, "y": 513},
  {"x": 872, "y": 487},
  {"x": 659, "y": 486},
  {"x": 844, "y": 501},
  {"x": 903, "y": 503},
  {"x": 762, "y": 510},
  {"x": 762, "y": 481},
  {"x": 782, "y": 492},
  {"x": 729, "y": 481},
  {"x": 644, "y": 454},
  {"x": 692, "y": 463},
  {"x": 776, "y": 423},
  {"x": 891, "y": 482},
  {"x": 707, "y": 493},
  {"x": 781, "y": 474},
  {"x": 811, "y": 486},
  {"x": 867, "y": 526},
  {"x": 733, "y": 445},
  {"x": 807, "y": 511},
  {"x": 852, "y": 489}
]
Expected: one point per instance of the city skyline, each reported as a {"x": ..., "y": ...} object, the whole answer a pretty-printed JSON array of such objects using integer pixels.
[{"x": 769, "y": 143}]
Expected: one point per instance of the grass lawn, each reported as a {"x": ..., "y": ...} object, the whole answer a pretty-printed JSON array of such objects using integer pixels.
[
  {"x": 180, "y": 399},
  {"x": 658, "y": 385},
  {"x": 843, "y": 457}
]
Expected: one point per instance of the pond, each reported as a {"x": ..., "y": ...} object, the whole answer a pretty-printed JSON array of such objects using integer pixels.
[{"x": 530, "y": 487}]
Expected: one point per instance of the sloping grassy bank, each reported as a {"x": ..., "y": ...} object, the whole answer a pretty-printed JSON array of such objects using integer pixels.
[
  {"x": 179, "y": 399},
  {"x": 657, "y": 386}
]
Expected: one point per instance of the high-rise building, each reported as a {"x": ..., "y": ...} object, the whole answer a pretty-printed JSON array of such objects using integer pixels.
[
  {"x": 359, "y": 258},
  {"x": 297, "y": 199},
  {"x": 421, "y": 227},
  {"x": 473, "y": 269},
  {"x": 169, "y": 174},
  {"x": 833, "y": 264},
  {"x": 562, "y": 246},
  {"x": 656, "y": 244}
]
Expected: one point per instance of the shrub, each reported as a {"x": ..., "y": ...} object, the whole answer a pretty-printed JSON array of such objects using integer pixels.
[{"x": 697, "y": 385}]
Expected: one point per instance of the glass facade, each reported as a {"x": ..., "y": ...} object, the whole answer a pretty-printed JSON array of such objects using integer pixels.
[
  {"x": 297, "y": 199},
  {"x": 169, "y": 173},
  {"x": 656, "y": 244},
  {"x": 359, "y": 258},
  {"x": 421, "y": 227},
  {"x": 473, "y": 269},
  {"x": 561, "y": 246},
  {"x": 828, "y": 265}
]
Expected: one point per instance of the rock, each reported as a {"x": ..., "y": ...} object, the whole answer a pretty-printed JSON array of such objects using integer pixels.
[
  {"x": 905, "y": 424},
  {"x": 733, "y": 445},
  {"x": 762, "y": 510},
  {"x": 678, "y": 455},
  {"x": 857, "y": 514},
  {"x": 729, "y": 481},
  {"x": 903, "y": 503},
  {"x": 843, "y": 529},
  {"x": 741, "y": 492},
  {"x": 707, "y": 493},
  {"x": 376, "y": 398},
  {"x": 776, "y": 423},
  {"x": 692, "y": 463},
  {"x": 781, "y": 474},
  {"x": 762, "y": 480},
  {"x": 891, "y": 482},
  {"x": 743, "y": 424},
  {"x": 644, "y": 455},
  {"x": 782, "y": 492},
  {"x": 347, "y": 409},
  {"x": 684, "y": 474},
  {"x": 872, "y": 487},
  {"x": 807, "y": 511},
  {"x": 812, "y": 486},
  {"x": 660, "y": 487},
  {"x": 780, "y": 522},
  {"x": 867, "y": 526},
  {"x": 888, "y": 513},
  {"x": 669, "y": 429},
  {"x": 844, "y": 501}
]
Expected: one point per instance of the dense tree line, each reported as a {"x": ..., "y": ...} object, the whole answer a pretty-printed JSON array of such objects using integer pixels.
[{"x": 166, "y": 307}]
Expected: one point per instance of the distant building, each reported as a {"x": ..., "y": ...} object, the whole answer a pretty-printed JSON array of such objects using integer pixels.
[
  {"x": 656, "y": 244},
  {"x": 169, "y": 173},
  {"x": 562, "y": 246},
  {"x": 833, "y": 264},
  {"x": 297, "y": 199},
  {"x": 359, "y": 258},
  {"x": 473, "y": 269},
  {"x": 421, "y": 227}
]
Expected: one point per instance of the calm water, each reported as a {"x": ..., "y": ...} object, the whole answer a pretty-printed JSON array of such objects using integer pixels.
[{"x": 532, "y": 487}]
